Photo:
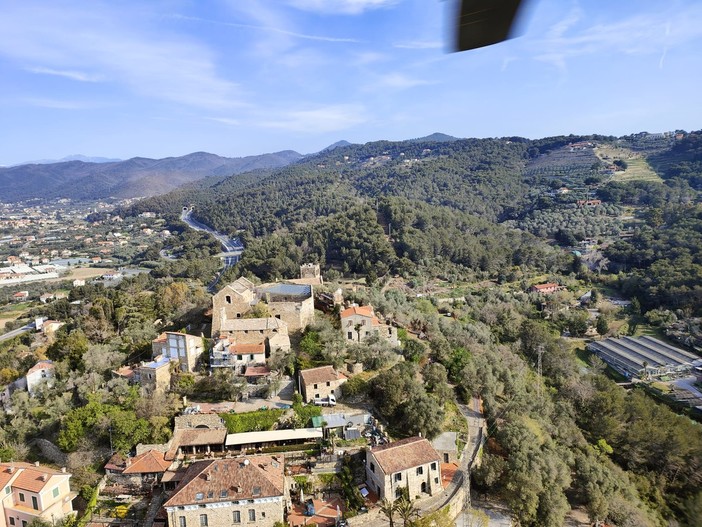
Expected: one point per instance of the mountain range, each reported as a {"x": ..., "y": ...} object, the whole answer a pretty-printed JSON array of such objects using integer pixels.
[{"x": 134, "y": 177}]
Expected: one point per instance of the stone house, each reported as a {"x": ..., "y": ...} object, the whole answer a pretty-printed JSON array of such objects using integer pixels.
[
  {"x": 446, "y": 446},
  {"x": 196, "y": 434},
  {"x": 320, "y": 383},
  {"x": 185, "y": 349},
  {"x": 410, "y": 463},
  {"x": 231, "y": 303},
  {"x": 33, "y": 492},
  {"x": 360, "y": 322},
  {"x": 155, "y": 376},
  {"x": 271, "y": 331},
  {"x": 240, "y": 491},
  {"x": 145, "y": 469}
]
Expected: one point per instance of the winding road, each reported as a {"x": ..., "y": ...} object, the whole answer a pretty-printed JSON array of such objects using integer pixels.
[{"x": 233, "y": 248}]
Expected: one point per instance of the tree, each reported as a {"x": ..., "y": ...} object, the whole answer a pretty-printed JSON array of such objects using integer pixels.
[
  {"x": 407, "y": 510},
  {"x": 602, "y": 325},
  {"x": 388, "y": 508}
]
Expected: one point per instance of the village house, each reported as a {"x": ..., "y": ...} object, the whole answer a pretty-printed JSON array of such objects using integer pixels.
[
  {"x": 310, "y": 274},
  {"x": 271, "y": 331},
  {"x": 291, "y": 303},
  {"x": 180, "y": 347},
  {"x": 226, "y": 353},
  {"x": 42, "y": 373},
  {"x": 155, "y": 376},
  {"x": 546, "y": 289},
  {"x": 320, "y": 383},
  {"x": 33, "y": 492},
  {"x": 359, "y": 322},
  {"x": 410, "y": 464},
  {"x": 195, "y": 434},
  {"x": 240, "y": 491},
  {"x": 143, "y": 470}
]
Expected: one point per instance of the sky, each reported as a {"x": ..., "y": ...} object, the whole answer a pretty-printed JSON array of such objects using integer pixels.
[{"x": 163, "y": 78}]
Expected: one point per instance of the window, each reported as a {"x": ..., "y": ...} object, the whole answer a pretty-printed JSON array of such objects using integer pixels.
[
  {"x": 433, "y": 466},
  {"x": 228, "y": 299},
  {"x": 238, "y": 315},
  {"x": 398, "y": 476},
  {"x": 199, "y": 496},
  {"x": 203, "y": 520},
  {"x": 251, "y": 357},
  {"x": 389, "y": 331},
  {"x": 420, "y": 471},
  {"x": 35, "y": 503},
  {"x": 398, "y": 493},
  {"x": 350, "y": 335},
  {"x": 239, "y": 357},
  {"x": 12, "y": 520},
  {"x": 363, "y": 322},
  {"x": 252, "y": 515},
  {"x": 315, "y": 386},
  {"x": 210, "y": 494},
  {"x": 436, "y": 480},
  {"x": 24, "y": 523},
  {"x": 367, "y": 333},
  {"x": 21, "y": 496},
  {"x": 236, "y": 517},
  {"x": 223, "y": 494},
  {"x": 328, "y": 383},
  {"x": 256, "y": 491},
  {"x": 181, "y": 521},
  {"x": 278, "y": 317},
  {"x": 372, "y": 467}
]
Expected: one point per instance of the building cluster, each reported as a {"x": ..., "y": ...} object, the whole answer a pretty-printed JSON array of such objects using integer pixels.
[{"x": 41, "y": 374}]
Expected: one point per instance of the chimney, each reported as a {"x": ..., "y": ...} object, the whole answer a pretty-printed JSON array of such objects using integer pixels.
[
  {"x": 36, "y": 463},
  {"x": 11, "y": 469},
  {"x": 63, "y": 469},
  {"x": 44, "y": 477}
]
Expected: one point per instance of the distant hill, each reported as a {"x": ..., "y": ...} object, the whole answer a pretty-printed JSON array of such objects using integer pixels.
[
  {"x": 74, "y": 157},
  {"x": 125, "y": 179},
  {"x": 338, "y": 144},
  {"x": 436, "y": 137}
]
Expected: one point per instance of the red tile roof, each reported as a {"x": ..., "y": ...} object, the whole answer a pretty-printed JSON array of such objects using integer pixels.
[
  {"x": 149, "y": 462},
  {"x": 404, "y": 454},
  {"x": 321, "y": 374},
  {"x": 230, "y": 479},
  {"x": 364, "y": 311},
  {"x": 31, "y": 478},
  {"x": 256, "y": 371}
]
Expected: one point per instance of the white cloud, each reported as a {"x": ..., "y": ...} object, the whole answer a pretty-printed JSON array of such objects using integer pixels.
[
  {"x": 69, "y": 74},
  {"x": 331, "y": 118},
  {"x": 344, "y": 7},
  {"x": 396, "y": 81},
  {"x": 118, "y": 46},
  {"x": 60, "y": 104}
]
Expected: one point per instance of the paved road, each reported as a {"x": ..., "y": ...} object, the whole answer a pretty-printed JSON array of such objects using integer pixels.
[
  {"x": 233, "y": 248},
  {"x": 16, "y": 332}
]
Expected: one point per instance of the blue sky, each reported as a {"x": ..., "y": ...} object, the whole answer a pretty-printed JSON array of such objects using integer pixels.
[{"x": 163, "y": 78}]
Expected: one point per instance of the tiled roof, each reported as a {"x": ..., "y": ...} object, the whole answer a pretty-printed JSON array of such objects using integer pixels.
[
  {"x": 256, "y": 371},
  {"x": 42, "y": 365},
  {"x": 404, "y": 454},
  {"x": 321, "y": 374},
  {"x": 230, "y": 479},
  {"x": 147, "y": 463},
  {"x": 364, "y": 311},
  {"x": 248, "y": 348},
  {"x": 31, "y": 477}
]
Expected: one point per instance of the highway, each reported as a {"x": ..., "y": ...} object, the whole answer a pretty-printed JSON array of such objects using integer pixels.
[
  {"x": 233, "y": 248},
  {"x": 16, "y": 332}
]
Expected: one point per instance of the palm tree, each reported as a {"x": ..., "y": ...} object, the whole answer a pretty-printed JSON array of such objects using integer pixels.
[
  {"x": 388, "y": 508},
  {"x": 406, "y": 509}
]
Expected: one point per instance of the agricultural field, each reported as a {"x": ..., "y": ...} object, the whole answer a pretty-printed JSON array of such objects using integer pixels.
[{"x": 638, "y": 168}]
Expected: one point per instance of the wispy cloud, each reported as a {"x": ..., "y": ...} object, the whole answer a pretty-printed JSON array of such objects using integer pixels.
[
  {"x": 225, "y": 120},
  {"x": 69, "y": 74},
  {"x": 60, "y": 104},
  {"x": 331, "y": 118},
  {"x": 418, "y": 44},
  {"x": 396, "y": 81},
  {"x": 124, "y": 49},
  {"x": 343, "y": 7},
  {"x": 641, "y": 34},
  {"x": 281, "y": 31}
]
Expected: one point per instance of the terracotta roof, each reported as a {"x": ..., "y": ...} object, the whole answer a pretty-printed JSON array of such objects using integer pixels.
[
  {"x": 115, "y": 463},
  {"x": 550, "y": 285},
  {"x": 364, "y": 311},
  {"x": 147, "y": 463},
  {"x": 321, "y": 374},
  {"x": 195, "y": 437},
  {"x": 42, "y": 365},
  {"x": 31, "y": 478},
  {"x": 248, "y": 348},
  {"x": 404, "y": 454},
  {"x": 230, "y": 479},
  {"x": 256, "y": 371}
]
